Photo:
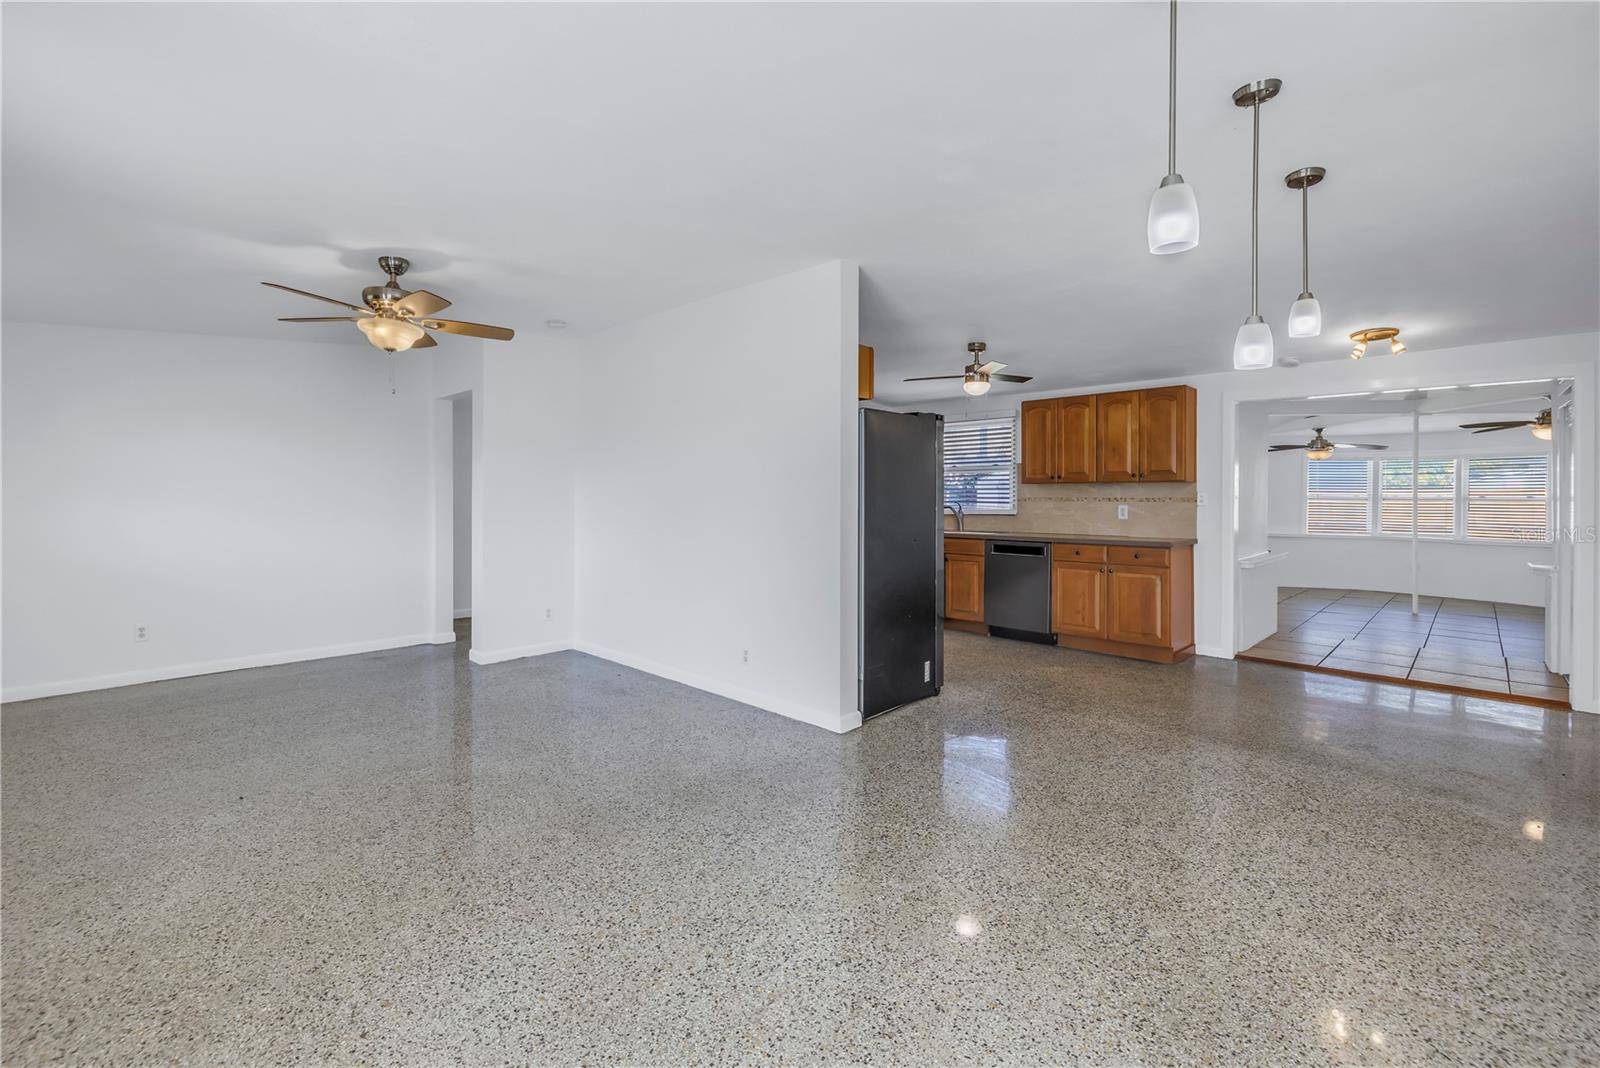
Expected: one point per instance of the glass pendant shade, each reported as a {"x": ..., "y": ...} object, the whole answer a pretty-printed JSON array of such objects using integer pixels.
[
  {"x": 1174, "y": 222},
  {"x": 1305, "y": 317},
  {"x": 1318, "y": 454},
  {"x": 1396, "y": 347},
  {"x": 975, "y": 386},
  {"x": 1541, "y": 431},
  {"x": 1252, "y": 346},
  {"x": 390, "y": 335}
]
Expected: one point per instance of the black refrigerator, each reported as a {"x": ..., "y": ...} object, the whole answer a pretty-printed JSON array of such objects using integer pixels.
[{"x": 901, "y": 650}]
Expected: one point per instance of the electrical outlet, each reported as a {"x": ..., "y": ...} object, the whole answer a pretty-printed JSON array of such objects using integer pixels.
[
  {"x": 1122, "y": 511},
  {"x": 547, "y": 614},
  {"x": 141, "y": 633},
  {"x": 1200, "y": 500},
  {"x": 746, "y": 657}
]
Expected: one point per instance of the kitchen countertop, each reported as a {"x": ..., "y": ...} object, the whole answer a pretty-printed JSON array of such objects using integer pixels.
[{"x": 1080, "y": 539}]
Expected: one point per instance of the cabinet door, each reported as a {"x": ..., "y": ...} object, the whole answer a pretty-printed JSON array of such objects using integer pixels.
[
  {"x": 1166, "y": 434},
  {"x": 1038, "y": 441},
  {"x": 1138, "y": 605},
  {"x": 963, "y": 588},
  {"x": 1075, "y": 439},
  {"x": 1116, "y": 418},
  {"x": 1078, "y": 599}
]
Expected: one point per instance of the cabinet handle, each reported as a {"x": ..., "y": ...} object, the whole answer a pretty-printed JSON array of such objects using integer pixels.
[
  {"x": 1109, "y": 571},
  {"x": 1136, "y": 556}
]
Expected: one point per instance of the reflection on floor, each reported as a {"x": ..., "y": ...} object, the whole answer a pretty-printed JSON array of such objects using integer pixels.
[
  {"x": 1470, "y": 646},
  {"x": 406, "y": 858}
]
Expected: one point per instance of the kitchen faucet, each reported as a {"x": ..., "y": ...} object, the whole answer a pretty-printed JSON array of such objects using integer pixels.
[{"x": 959, "y": 513}]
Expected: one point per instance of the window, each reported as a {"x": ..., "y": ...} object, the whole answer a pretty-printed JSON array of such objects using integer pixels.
[
  {"x": 1436, "y": 498},
  {"x": 1508, "y": 498},
  {"x": 1338, "y": 496},
  {"x": 980, "y": 464}
]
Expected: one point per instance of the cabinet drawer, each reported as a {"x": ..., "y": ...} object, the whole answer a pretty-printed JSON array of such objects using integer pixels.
[
  {"x": 963, "y": 546},
  {"x": 1123, "y": 554},
  {"x": 1093, "y": 554}
]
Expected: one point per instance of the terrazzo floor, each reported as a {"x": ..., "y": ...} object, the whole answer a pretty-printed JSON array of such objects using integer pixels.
[
  {"x": 1478, "y": 646},
  {"x": 402, "y": 858}
]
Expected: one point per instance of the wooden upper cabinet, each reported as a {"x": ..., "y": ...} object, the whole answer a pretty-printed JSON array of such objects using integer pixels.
[
  {"x": 1075, "y": 445},
  {"x": 1038, "y": 441},
  {"x": 866, "y": 384},
  {"x": 1140, "y": 435},
  {"x": 1167, "y": 434},
  {"x": 1117, "y": 437},
  {"x": 1138, "y": 605},
  {"x": 1078, "y": 599}
]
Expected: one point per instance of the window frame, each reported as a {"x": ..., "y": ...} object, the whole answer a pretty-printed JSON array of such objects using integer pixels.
[
  {"x": 1463, "y": 499},
  {"x": 1008, "y": 468}
]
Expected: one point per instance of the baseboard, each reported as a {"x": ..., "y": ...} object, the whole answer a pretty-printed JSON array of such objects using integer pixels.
[
  {"x": 207, "y": 667},
  {"x": 515, "y": 652},
  {"x": 1217, "y": 651},
  {"x": 765, "y": 702},
  {"x": 442, "y": 639}
]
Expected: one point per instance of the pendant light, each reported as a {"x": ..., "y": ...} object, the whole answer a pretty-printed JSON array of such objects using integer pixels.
[
  {"x": 1173, "y": 224},
  {"x": 1305, "y": 314},
  {"x": 1252, "y": 346}
]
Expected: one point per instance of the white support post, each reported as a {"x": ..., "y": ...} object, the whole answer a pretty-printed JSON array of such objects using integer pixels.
[{"x": 1416, "y": 439}]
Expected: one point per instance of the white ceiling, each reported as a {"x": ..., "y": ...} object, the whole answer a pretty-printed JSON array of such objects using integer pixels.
[{"x": 989, "y": 166}]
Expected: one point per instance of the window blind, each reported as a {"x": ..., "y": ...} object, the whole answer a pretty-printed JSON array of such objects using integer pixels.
[
  {"x": 980, "y": 464},
  {"x": 1508, "y": 498},
  {"x": 1436, "y": 497},
  {"x": 1338, "y": 496}
]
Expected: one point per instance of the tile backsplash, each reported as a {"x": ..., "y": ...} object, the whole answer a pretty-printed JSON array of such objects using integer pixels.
[{"x": 1155, "y": 510}]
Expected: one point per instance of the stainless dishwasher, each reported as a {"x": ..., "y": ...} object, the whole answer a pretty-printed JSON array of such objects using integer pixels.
[{"x": 1016, "y": 590}]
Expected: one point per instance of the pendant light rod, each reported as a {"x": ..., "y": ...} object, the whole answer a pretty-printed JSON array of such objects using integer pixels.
[
  {"x": 1305, "y": 314},
  {"x": 1172, "y": 91},
  {"x": 1252, "y": 96}
]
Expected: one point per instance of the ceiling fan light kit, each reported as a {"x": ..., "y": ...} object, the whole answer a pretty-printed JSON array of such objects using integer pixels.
[
  {"x": 397, "y": 319},
  {"x": 1305, "y": 314},
  {"x": 1252, "y": 346},
  {"x": 1173, "y": 224},
  {"x": 1363, "y": 338}
]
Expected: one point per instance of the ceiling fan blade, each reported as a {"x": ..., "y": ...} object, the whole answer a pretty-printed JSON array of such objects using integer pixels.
[
  {"x": 424, "y": 342},
  {"x": 1357, "y": 445},
  {"x": 990, "y": 368},
  {"x": 314, "y": 296},
  {"x": 1283, "y": 448},
  {"x": 1504, "y": 424},
  {"x": 323, "y": 319},
  {"x": 452, "y": 326},
  {"x": 1012, "y": 378},
  {"x": 931, "y": 378},
  {"x": 1497, "y": 429},
  {"x": 421, "y": 303}
]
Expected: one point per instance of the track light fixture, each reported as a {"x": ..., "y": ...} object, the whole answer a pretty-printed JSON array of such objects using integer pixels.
[{"x": 1363, "y": 338}]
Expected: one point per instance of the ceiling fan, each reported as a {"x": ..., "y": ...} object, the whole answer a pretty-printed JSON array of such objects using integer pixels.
[
  {"x": 1539, "y": 425},
  {"x": 1320, "y": 448},
  {"x": 976, "y": 377},
  {"x": 396, "y": 319}
]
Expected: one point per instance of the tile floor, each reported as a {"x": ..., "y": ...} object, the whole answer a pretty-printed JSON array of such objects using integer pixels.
[
  {"x": 1471, "y": 645},
  {"x": 403, "y": 858}
]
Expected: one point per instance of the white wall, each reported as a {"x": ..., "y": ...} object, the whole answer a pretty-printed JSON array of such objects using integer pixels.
[
  {"x": 1473, "y": 570},
  {"x": 1221, "y": 466},
  {"x": 249, "y": 501},
  {"x": 461, "y": 487},
  {"x": 748, "y": 396},
  {"x": 526, "y": 418}
]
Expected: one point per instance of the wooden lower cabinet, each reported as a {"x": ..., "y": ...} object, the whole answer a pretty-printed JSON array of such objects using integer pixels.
[
  {"x": 1078, "y": 599},
  {"x": 963, "y": 579},
  {"x": 1137, "y": 603}
]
